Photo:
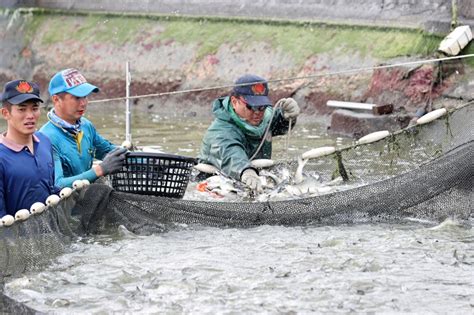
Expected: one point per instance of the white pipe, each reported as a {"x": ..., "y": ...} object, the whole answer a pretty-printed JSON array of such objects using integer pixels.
[{"x": 350, "y": 105}]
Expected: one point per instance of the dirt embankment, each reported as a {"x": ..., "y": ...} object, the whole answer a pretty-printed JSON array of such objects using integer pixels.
[{"x": 168, "y": 55}]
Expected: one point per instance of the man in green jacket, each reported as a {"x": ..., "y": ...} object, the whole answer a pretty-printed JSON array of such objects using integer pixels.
[{"x": 239, "y": 127}]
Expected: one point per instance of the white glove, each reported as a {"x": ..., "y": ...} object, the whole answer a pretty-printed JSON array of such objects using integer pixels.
[
  {"x": 290, "y": 108},
  {"x": 250, "y": 178}
]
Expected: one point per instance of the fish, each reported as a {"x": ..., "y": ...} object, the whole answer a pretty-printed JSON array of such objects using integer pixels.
[
  {"x": 277, "y": 182},
  {"x": 219, "y": 186},
  {"x": 446, "y": 224},
  {"x": 269, "y": 180},
  {"x": 299, "y": 170}
]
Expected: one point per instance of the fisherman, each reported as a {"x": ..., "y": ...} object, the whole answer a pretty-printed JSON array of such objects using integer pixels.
[
  {"x": 26, "y": 156},
  {"x": 75, "y": 140},
  {"x": 240, "y": 126}
]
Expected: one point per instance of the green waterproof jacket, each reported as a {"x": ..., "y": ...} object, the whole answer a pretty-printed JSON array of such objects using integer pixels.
[{"x": 230, "y": 142}]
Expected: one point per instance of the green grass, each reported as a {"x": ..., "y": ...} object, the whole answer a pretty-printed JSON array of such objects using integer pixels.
[
  {"x": 468, "y": 50},
  {"x": 92, "y": 29},
  {"x": 303, "y": 41},
  {"x": 298, "y": 39}
]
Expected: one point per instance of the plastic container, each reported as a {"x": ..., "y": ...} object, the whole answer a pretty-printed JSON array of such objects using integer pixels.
[{"x": 155, "y": 174}]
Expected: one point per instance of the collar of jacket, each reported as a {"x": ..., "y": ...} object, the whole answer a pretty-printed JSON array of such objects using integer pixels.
[{"x": 223, "y": 110}]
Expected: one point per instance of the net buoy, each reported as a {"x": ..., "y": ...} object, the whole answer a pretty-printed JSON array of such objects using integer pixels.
[
  {"x": 22, "y": 215},
  {"x": 65, "y": 192},
  {"x": 7, "y": 220},
  {"x": 431, "y": 116},
  {"x": 373, "y": 137},
  {"x": 262, "y": 163},
  {"x": 52, "y": 200},
  {"x": 78, "y": 184},
  {"x": 318, "y": 152},
  {"x": 206, "y": 168},
  {"x": 37, "y": 208}
]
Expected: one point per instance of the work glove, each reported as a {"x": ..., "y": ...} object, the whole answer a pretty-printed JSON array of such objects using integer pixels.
[
  {"x": 289, "y": 107},
  {"x": 113, "y": 161},
  {"x": 250, "y": 178}
]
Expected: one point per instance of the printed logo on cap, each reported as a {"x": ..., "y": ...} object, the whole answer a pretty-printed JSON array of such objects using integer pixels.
[
  {"x": 258, "y": 89},
  {"x": 24, "y": 87},
  {"x": 73, "y": 78}
]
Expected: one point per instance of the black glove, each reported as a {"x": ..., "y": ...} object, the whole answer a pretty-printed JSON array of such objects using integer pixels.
[{"x": 113, "y": 161}]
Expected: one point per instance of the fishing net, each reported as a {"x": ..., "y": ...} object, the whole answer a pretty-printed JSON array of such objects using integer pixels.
[{"x": 424, "y": 172}]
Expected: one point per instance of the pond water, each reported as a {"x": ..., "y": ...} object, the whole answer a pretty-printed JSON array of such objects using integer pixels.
[
  {"x": 412, "y": 267},
  {"x": 409, "y": 268},
  {"x": 180, "y": 131}
]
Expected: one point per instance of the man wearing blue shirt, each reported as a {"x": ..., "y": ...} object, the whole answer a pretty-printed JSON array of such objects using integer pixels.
[
  {"x": 26, "y": 157},
  {"x": 75, "y": 140}
]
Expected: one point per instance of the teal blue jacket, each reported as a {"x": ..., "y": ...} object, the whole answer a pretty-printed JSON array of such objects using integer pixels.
[
  {"x": 73, "y": 161},
  {"x": 230, "y": 142}
]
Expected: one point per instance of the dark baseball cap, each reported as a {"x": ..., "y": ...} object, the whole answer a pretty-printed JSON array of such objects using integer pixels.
[
  {"x": 253, "y": 89},
  {"x": 19, "y": 91}
]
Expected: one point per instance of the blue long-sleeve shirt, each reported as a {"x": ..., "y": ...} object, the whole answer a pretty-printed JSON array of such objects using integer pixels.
[
  {"x": 73, "y": 161},
  {"x": 25, "y": 177}
]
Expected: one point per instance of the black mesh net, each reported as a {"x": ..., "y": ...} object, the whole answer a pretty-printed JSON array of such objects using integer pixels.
[{"x": 422, "y": 172}]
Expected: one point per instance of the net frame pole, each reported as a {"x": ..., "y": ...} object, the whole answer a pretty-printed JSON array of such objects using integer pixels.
[{"x": 128, "y": 79}]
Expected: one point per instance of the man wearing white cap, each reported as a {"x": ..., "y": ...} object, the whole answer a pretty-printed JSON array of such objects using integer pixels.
[{"x": 76, "y": 142}]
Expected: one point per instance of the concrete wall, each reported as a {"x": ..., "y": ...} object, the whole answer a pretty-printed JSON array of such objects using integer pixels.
[{"x": 412, "y": 13}]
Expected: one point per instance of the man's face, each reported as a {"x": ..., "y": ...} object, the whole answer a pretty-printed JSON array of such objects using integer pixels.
[
  {"x": 22, "y": 118},
  {"x": 252, "y": 115},
  {"x": 69, "y": 107}
]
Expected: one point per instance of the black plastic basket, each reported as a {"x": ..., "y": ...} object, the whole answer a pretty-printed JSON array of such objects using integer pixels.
[{"x": 154, "y": 174}]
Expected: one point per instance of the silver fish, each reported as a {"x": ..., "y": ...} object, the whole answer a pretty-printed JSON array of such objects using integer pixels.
[{"x": 299, "y": 170}]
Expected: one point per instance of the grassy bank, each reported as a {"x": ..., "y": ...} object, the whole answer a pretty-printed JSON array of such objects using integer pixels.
[{"x": 298, "y": 39}]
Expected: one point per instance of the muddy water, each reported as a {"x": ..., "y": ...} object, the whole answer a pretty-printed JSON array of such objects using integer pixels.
[{"x": 380, "y": 268}]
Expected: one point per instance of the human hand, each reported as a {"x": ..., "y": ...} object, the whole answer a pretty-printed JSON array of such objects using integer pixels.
[
  {"x": 113, "y": 161},
  {"x": 250, "y": 178},
  {"x": 289, "y": 107}
]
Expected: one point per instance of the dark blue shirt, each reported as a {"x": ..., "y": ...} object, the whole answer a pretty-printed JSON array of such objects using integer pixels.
[{"x": 25, "y": 178}]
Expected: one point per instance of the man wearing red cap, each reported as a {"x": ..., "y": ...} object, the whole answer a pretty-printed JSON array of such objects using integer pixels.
[
  {"x": 236, "y": 134},
  {"x": 26, "y": 157}
]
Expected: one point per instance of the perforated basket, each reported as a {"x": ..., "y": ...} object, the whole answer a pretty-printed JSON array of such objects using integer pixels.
[{"x": 154, "y": 174}]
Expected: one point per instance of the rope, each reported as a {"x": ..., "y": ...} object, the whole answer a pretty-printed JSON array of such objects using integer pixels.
[
  {"x": 288, "y": 136},
  {"x": 265, "y": 133},
  {"x": 284, "y": 79}
]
